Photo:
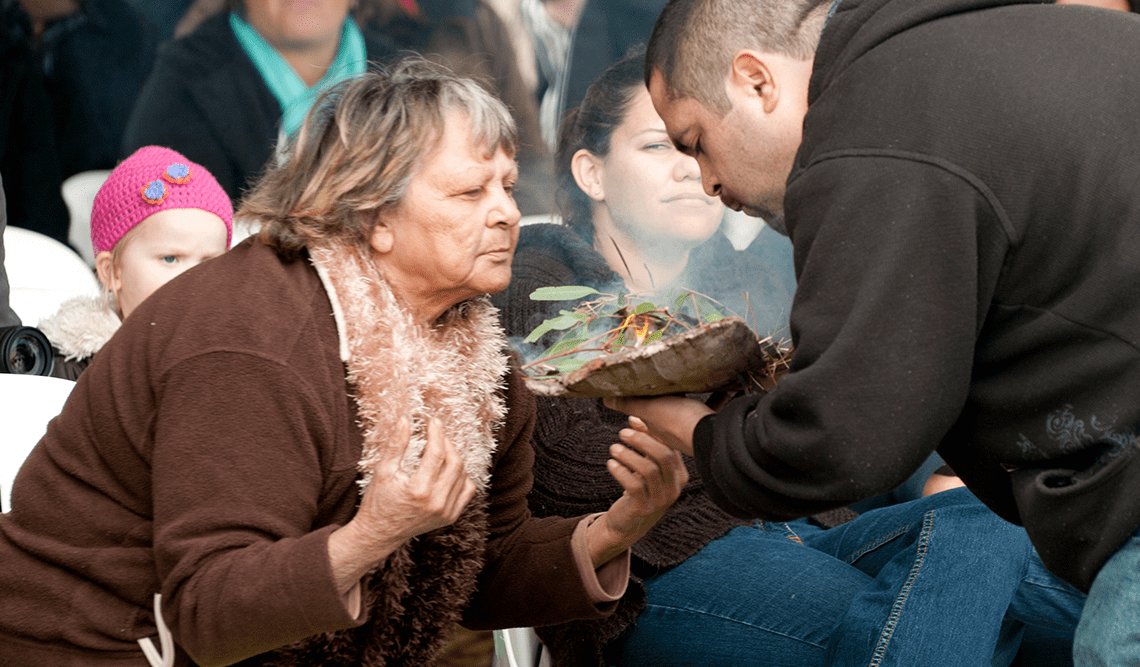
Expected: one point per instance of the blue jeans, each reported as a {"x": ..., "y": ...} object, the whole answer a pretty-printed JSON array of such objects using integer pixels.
[
  {"x": 1109, "y": 632},
  {"x": 936, "y": 581}
]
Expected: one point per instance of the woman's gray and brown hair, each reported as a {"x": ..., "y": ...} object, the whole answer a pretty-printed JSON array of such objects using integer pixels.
[{"x": 360, "y": 146}]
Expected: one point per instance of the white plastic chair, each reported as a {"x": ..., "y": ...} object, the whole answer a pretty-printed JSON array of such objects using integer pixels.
[
  {"x": 243, "y": 228},
  {"x": 27, "y": 404},
  {"x": 42, "y": 273},
  {"x": 79, "y": 195},
  {"x": 519, "y": 647}
]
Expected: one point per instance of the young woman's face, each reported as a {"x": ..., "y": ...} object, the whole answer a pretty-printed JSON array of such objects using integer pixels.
[
  {"x": 651, "y": 190},
  {"x": 297, "y": 24},
  {"x": 158, "y": 249}
]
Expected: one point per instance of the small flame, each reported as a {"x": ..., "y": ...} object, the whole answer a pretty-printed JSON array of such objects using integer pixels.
[{"x": 642, "y": 331}]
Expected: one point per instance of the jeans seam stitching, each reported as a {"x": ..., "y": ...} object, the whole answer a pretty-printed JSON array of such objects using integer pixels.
[
  {"x": 900, "y": 601},
  {"x": 729, "y": 619}
]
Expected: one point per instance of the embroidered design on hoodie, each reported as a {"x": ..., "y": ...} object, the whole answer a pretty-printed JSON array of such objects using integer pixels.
[{"x": 1073, "y": 434}]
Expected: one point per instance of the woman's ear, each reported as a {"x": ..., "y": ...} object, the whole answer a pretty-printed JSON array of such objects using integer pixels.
[
  {"x": 588, "y": 169},
  {"x": 107, "y": 271},
  {"x": 753, "y": 77},
  {"x": 382, "y": 239}
]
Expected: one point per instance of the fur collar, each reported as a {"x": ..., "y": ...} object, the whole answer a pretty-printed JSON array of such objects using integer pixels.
[
  {"x": 80, "y": 327},
  {"x": 454, "y": 371}
]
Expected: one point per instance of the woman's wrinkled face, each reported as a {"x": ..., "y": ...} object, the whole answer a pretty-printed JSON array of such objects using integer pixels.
[
  {"x": 652, "y": 191},
  {"x": 297, "y": 24},
  {"x": 158, "y": 249},
  {"x": 454, "y": 233}
]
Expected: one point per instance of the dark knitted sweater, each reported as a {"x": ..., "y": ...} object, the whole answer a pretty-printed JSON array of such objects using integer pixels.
[{"x": 572, "y": 435}]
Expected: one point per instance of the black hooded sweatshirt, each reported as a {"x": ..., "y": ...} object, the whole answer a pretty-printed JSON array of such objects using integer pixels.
[{"x": 965, "y": 212}]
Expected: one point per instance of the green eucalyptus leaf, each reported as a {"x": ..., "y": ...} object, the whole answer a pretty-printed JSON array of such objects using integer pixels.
[
  {"x": 569, "y": 365},
  {"x": 564, "y": 346},
  {"x": 559, "y": 323},
  {"x": 539, "y": 331},
  {"x": 562, "y": 293},
  {"x": 655, "y": 336},
  {"x": 644, "y": 307}
]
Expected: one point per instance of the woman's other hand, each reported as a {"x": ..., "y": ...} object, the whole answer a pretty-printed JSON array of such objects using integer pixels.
[
  {"x": 397, "y": 506},
  {"x": 652, "y": 476}
]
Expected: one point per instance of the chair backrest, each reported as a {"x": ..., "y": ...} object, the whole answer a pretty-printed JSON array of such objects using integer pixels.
[
  {"x": 27, "y": 404},
  {"x": 79, "y": 195},
  {"x": 519, "y": 647},
  {"x": 42, "y": 273},
  {"x": 537, "y": 218}
]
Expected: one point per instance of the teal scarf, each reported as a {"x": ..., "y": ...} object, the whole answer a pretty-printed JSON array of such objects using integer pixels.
[{"x": 291, "y": 92}]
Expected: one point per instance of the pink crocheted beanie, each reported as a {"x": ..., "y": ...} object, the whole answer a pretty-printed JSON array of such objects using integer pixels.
[{"x": 154, "y": 179}]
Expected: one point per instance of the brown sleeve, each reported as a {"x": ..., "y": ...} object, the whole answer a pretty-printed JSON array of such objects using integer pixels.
[
  {"x": 237, "y": 483},
  {"x": 531, "y": 575}
]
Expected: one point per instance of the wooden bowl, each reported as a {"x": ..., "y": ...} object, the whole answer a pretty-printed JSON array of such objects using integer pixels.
[{"x": 722, "y": 355}]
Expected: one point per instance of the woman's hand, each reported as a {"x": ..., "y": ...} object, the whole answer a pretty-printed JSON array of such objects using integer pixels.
[
  {"x": 652, "y": 476},
  {"x": 670, "y": 419},
  {"x": 397, "y": 506}
]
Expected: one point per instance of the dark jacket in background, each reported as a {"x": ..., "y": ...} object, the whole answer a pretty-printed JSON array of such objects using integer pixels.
[
  {"x": 606, "y": 30},
  {"x": 207, "y": 100},
  {"x": 95, "y": 63},
  {"x": 7, "y": 316},
  {"x": 29, "y": 158},
  {"x": 966, "y": 252}
]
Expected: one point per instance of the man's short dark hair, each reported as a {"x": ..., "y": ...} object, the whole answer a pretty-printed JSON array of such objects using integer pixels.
[{"x": 693, "y": 41}]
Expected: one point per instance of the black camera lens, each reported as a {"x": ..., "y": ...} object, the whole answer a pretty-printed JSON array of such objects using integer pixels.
[{"x": 25, "y": 351}]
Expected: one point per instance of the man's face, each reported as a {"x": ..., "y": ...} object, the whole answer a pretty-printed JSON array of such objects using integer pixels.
[{"x": 745, "y": 156}]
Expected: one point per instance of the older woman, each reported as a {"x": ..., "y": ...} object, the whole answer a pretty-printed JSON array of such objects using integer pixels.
[
  {"x": 313, "y": 450},
  {"x": 223, "y": 94}
]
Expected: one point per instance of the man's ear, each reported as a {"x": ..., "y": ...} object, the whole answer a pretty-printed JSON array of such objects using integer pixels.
[
  {"x": 382, "y": 239},
  {"x": 587, "y": 169},
  {"x": 752, "y": 74},
  {"x": 105, "y": 269}
]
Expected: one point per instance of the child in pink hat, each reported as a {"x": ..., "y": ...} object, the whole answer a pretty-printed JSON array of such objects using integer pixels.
[{"x": 156, "y": 215}]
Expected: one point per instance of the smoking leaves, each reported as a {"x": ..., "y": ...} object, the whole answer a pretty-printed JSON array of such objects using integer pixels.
[{"x": 609, "y": 322}]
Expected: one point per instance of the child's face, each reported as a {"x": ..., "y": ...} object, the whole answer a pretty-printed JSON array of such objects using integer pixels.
[{"x": 161, "y": 247}]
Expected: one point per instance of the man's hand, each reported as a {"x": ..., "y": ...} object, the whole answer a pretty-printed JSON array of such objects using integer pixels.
[{"x": 670, "y": 419}]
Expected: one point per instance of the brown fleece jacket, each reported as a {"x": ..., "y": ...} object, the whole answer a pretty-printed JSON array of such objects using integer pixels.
[{"x": 206, "y": 455}]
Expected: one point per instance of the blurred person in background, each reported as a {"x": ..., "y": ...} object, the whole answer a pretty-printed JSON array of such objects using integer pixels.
[
  {"x": 226, "y": 93},
  {"x": 95, "y": 55},
  {"x": 29, "y": 157}
]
